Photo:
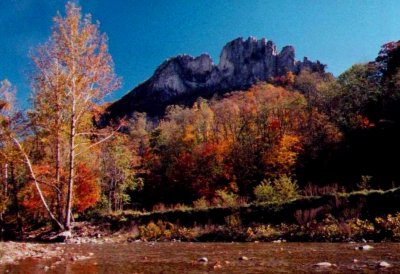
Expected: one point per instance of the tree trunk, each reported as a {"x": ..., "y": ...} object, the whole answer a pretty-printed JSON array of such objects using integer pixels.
[
  {"x": 16, "y": 203},
  {"x": 1, "y": 226},
  {"x": 71, "y": 164},
  {"x": 58, "y": 181},
  {"x": 60, "y": 207},
  {"x": 5, "y": 193},
  {"x": 112, "y": 195},
  {"x": 5, "y": 179}
]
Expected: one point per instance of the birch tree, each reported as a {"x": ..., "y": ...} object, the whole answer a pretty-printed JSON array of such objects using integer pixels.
[{"x": 76, "y": 70}]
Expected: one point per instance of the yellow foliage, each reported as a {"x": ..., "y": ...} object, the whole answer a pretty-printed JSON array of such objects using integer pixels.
[
  {"x": 283, "y": 156},
  {"x": 188, "y": 135}
]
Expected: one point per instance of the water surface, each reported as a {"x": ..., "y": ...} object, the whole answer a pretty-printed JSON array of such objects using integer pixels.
[{"x": 223, "y": 258}]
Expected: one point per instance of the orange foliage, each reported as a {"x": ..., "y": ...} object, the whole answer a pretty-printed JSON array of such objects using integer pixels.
[
  {"x": 283, "y": 156},
  {"x": 87, "y": 190},
  {"x": 31, "y": 200},
  {"x": 233, "y": 143}
]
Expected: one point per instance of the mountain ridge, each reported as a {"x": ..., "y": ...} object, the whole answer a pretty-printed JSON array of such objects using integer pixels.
[{"x": 184, "y": 78}]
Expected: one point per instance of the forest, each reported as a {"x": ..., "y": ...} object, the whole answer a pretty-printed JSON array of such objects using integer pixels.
[{"x": 298, "y": 135}]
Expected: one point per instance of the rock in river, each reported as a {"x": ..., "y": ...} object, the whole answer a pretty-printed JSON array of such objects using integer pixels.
[
  {"x": 203, "y": 260},
  {"x": 383, "y": 264},
  {"x": 325, "y": 264},
  {"x": 364, "y": 247}
]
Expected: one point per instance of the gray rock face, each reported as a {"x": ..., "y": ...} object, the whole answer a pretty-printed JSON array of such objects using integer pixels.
[
  {"x": 183, "y": 73},
  {"x": 286, "y": 61},
  {"x": 182, "y": 79},
  {"x": 246, "y": 62}
]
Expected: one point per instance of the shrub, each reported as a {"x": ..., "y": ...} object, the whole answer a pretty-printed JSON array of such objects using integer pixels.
[
  {"x": 265, "y": 231},
  {"x": 233, "y": 220},
  {"x": 201, "y": 203},
  {"x": 150, "y": 231},
  {"x": 280, "y": 190},
  {"x": 285, "y": 188},
  {"x": 365, "y": 182},
  {"x": 390, "y": 224},
  {"x": 264, "y": 192},
  {"x": 225, "y": 199},
  {"x": 188, "y": 234},
  {"x": 181, "y": 207}
]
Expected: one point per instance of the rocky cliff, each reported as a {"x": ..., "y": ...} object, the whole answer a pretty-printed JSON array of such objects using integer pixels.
[{"x": 182, "y": 79}]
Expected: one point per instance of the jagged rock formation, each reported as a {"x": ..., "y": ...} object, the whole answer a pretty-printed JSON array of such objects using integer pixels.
[{"x": 182, "y": 79}]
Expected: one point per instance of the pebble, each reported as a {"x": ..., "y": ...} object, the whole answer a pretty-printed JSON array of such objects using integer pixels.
[
  {"x": 79, "y": 258},
  {"x": 325, "y": 264},
  {"x": 364, "y": 247},
  {"x": 217, "y": 265},
  {"x": 243, "y": 258},
  {"x": 203, "y": 260},
  {"x": 384, "y": 264}
]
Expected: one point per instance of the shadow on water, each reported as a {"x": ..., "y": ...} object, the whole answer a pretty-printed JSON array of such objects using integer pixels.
[{"x": 222, "y": 258}]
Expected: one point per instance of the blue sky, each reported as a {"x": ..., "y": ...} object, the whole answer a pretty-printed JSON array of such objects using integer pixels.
[{"x": 142, "y": 34}]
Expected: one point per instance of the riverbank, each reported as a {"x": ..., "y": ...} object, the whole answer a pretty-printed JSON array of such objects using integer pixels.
[
  {"x": 358, "y": 216},
  {"x": 340, "y": 217},
  {"x": 12, "y": 253}
]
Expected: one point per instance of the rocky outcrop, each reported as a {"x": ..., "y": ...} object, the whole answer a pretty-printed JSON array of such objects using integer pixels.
[{"x": 182, "y": 79}]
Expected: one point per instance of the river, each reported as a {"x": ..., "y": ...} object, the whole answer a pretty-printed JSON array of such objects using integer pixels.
[{"x": 176, "y": 257}]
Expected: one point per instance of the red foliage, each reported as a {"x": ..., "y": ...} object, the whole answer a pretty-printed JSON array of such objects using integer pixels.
[{"x": 87, "y": 189}]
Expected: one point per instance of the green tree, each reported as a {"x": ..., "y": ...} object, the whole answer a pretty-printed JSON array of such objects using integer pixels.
[
  {"x": 357, "y": 99},
  {"x": 117, "y": 172}
]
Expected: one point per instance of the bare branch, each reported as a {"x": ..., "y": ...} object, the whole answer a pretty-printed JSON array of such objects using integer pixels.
[
  {"x": 32, "y": 173},
  {"x": 99, "y": 142},
  {"x": 91, "y": 133},
  {"x": 50, "y": 185}
]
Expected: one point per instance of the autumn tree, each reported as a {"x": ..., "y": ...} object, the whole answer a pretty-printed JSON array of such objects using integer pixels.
[
  {"x": 12, "y": 131},
  {"x": 7, "y": 98},
  {"x": 76, "y": 70},
  {"x": 117, "y": 171},
  {"x": 229, "y": 144},
  {"x": 48, "y": 117}
]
